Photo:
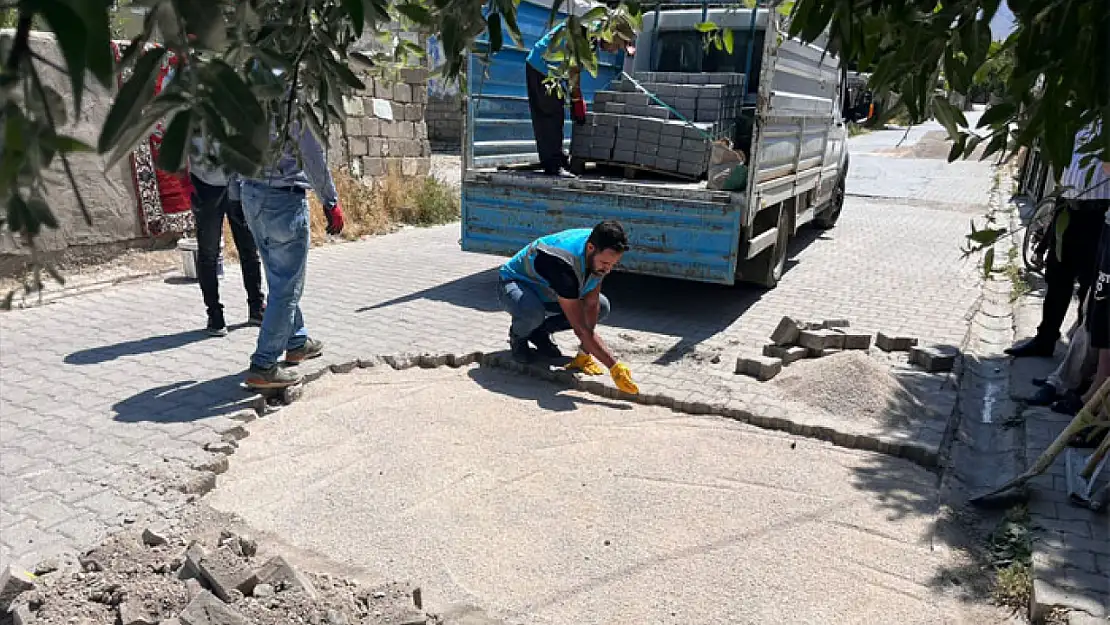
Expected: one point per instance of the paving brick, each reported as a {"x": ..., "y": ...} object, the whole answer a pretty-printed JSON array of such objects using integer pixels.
[
  {"x": 762, "y": 368},
  {"x": 934, "y": 359},
  {"x": 788, "y": 354},
  {"x": 894, "y": 343}
]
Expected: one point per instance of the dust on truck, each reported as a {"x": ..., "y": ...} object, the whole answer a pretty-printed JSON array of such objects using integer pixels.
[{"x": 786, "y": 118}]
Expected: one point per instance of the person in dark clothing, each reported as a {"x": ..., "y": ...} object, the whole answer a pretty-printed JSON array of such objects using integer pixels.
[
  {"x": 548, "y": 106},
  {"x": 211, "y": 204},
  {"x": 1087, "y": 198}
]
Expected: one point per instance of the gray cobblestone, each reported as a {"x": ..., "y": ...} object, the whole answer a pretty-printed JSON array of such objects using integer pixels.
[{"x": 95, "y": 417}]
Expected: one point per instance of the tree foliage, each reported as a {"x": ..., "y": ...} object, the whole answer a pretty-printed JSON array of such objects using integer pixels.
[{"x": 1058, "y": 83}]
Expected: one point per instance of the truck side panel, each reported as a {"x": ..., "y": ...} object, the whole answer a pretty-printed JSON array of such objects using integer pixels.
[
  {"x": 499, "y": 126},
  {"x": 670, "y": 237},
  {"x": 798, "y": 150}
]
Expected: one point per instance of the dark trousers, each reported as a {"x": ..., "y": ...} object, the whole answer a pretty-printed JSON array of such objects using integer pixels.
[
  {"x": 210, "y": 205},
  {"x": 1078, "y": 264},
  {"x": 548, "y": 111}
]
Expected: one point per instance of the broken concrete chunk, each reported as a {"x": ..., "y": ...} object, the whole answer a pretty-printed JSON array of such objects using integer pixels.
[
  {"x": 194, "y": 553},
  {"x": 833, "y": 324},
  {"x": 135, "y": 613},
  {"x": 200, "y": 483},
  {"x": 934, "y": 359},
  {"x": 207, "y": 609},
  {"x": 261, "y": 591},
  {"x": 193, "y": 587},
  {"x": 762, "y": 368},
  {"x": 891, "y": 343},
  {"x": 788, "y": 355},
  {"x": 240, "y": 545},
  {"x": 21, "y": 615},
  {"x": 787, "y": 332},
  {"x": 821, "y": 339},
  {"x": 13, "y": 582},
  {"x": 459, "y": 614},
  {"x": 281, "y": 575},
  {"x": 854, "y": 339},
  {"x": 822, "y": 353},
  {"x": 154, "y": 536},
  {"x": 225, "y": 572},
  {"x": 413, "y": 617}
]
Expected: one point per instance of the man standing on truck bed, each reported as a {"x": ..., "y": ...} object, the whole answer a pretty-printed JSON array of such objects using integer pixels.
[
  {"x": 547, "y": 106},
  {"x": 554, "y": 284}
]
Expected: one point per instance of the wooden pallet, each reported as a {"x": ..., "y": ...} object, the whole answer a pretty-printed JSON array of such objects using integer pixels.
[{"x": 628, "y": 171}]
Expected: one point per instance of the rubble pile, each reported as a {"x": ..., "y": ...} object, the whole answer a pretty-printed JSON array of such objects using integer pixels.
[
  {"x": 170, "y": 576},
  {"x": 794, "y": 340}
]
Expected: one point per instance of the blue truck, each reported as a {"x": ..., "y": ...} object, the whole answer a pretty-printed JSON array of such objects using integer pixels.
[{"x": 795, "y": 147}]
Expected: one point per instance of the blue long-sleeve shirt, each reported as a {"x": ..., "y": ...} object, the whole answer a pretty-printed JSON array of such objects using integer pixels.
[{"x": 311, "y": 173}]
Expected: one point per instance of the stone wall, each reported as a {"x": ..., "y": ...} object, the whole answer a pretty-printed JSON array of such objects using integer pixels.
[
  {"x": 445, "y": 120},
  {"x": 385, "y": 126}
]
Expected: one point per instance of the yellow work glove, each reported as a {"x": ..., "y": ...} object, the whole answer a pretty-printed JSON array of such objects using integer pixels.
[
  {"x": 623, "y": 377},
  {"x": 586, "y": 364}
]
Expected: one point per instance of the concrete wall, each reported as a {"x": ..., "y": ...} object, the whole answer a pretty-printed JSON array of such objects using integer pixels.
[{"x": 109, "y": 195}]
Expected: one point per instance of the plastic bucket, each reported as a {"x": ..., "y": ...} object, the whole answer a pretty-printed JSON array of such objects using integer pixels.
[{"x": 187, "y": 247}]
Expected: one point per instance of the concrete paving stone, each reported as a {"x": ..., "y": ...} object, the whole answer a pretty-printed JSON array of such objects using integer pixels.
[{"x": 1048, "y": 595}]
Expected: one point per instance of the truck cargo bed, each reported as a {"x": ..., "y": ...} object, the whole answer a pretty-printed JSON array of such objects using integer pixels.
[{"x": 676, "y": 229}]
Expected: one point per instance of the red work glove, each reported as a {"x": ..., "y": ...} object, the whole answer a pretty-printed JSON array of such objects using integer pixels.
[
  {"x": 577, "y": 107},
  {"x": 335, "y": 219}
]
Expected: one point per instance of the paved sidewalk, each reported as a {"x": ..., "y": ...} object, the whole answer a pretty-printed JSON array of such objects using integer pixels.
[
  {"x": 107, "y": 399},
  {"x": 1071, "y": 551}
]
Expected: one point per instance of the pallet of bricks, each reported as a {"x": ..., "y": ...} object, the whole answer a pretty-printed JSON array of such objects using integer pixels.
[{"x": 629, "y": 128}]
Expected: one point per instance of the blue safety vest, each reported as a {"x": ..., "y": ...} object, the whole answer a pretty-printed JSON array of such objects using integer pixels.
[{"x": 569, "y": 245}]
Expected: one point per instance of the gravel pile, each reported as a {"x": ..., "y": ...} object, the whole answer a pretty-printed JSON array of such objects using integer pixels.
[
  {"x": 850, "y": 384},
  {"x": 197, "y": 573}
]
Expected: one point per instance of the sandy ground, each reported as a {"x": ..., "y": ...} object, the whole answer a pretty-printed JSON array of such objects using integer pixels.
[{"x": 588, "y": 511}]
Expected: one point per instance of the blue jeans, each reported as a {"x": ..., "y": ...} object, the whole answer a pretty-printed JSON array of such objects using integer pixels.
[
  {"x": 531, "y": 313},
  {"x": 278, "y": 218}
]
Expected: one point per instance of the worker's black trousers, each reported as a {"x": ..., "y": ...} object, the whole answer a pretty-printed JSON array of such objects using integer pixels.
[
  {"x": 548, "y": 111},
  {"x": 1079, "y": 263}
]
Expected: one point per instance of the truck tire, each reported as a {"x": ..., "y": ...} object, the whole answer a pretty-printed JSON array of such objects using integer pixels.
[
  {"x": 766, "y": 269},
  {"x": 828, "y": 217}
]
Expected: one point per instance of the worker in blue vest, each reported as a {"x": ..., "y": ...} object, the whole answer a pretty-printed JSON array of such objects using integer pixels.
[
  {"x": 554, "y": 285},
  {"x": 547, "y": 106}
]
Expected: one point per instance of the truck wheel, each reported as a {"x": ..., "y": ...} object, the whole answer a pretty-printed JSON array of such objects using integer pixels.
[
  {"x": 827, "y": 218},
  {"x": 766, "y": 269}
]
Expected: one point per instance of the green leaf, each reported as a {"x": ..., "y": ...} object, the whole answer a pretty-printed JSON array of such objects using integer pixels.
[
  {"x": 998, "y": 142},
  {"x": 233, "y": 98},
  {"x": 1063, "y": 219},
  {"x": 41, "y": 213},
  {"x": 727, "y": 39},
  {"x": 132, "y": 97},
  {"x": 67, "y": 144},
  {"x": 415, "y": 12},
  {"x": 949, "y": 116},
  {"x": 986, "y": 236},
  {"x": 957, "y": 148},
  {"x": 174, "y": 152},
  {"x": 705, "y": 27},
  {"x": 19, "y": 216},
  {"x": 348, "y": 77},
  {"x": 357, "y": 12},
  {"x": 73, "y": 38},
  {"x": 139, "y": 130},
  {"x": 997, "y": 114},
  {"x": 595, "y": 13},
  {"x": 988, "y": 263},
  {"x": 98, "y": 51},
  {"x": 493, "y": 22},
  {"x": 240, "y": 155}
]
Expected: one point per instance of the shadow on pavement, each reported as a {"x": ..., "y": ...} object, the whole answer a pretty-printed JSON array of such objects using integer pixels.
[
  {"x": 150, "y": 345},
  {"x": 184, "y": 401},
  {"x": 546, "y": 396},
  {"x": 691, "y": 311}
]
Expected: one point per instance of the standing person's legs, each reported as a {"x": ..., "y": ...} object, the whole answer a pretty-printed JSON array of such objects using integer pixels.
[
  {"x": 548, "y": 111},
  {"x": 248, "y": 260},
  {"x": 278, "y": 219},
  {"x": 209, "y": 205}
]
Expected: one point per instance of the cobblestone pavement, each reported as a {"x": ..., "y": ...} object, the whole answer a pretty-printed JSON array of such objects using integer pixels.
[
  {"x": 108, "y": 397},
  {"x": 1071, "y": 549}
]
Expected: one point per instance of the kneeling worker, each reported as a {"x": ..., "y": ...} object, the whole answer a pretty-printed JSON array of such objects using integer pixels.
[{"x": 553, "y": 285}]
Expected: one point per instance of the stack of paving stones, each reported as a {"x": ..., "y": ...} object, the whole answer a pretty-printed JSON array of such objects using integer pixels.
[
  {"x": 629, "y": 127},
  {"x": 794, "y": 340}
]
